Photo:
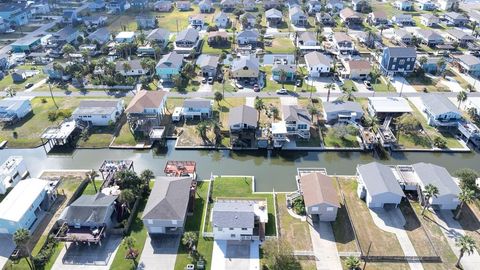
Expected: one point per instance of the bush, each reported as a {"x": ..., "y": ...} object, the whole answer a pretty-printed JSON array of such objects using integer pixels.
[
  {"x": 299, "y": 206},
  {"x": 45, "y": 253},
  {"x": 43, "y": 100},
  {"x": 15, "y": 134},
  {"x": 52, "y": 116},
  {"x": 439, "y": 142}
]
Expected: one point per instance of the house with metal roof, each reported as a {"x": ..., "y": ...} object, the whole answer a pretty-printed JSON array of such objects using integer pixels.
[
  {"x": 197, "y": 108},
  {"x": 169, "y": 202},
  {"x": 14, "y": 108},
  {"x": 99, "y": 112},
  {"x": 440, "y": 111},
  {"x": 378, "y": 186},
  {"x": 26, "y": 44},
  {"x": 320, "y": 196},
  {"x": 388, "y": 106},
  {"x": 341, "y": 111}
]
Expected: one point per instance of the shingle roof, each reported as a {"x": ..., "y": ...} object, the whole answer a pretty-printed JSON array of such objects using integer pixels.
[
  {"x": 340, "y": 37},
  {"x": 249, "y": 61},
  {"x": 158, "y": 34},
  {"x": 248, "y": 34},
  {"x": 429, "y": 34},
  {"x": 455, "y": 16},
  {"x": 233, "y": 214},
  {"x": 295, "y": 113},
  {"x": 438, "y": 176},
  {"x": 242, "y": 114},
  {"x": 469, "y": 59},
  {"x": 318, "y": 188},
  {"x": 134, "y": 64},
  {"x": 89, "y": 208},
  {"x": 145, "y": 99},
  {"x": 340, "y": 105},
  {"x": 379, "y": 178},
  {"x": 459, "y": 34},
  {"x": 359, "y": 64},
  {"x": 307, "y": 36},
  {"x": 316, "y": 58},
  {"x": 197, "y": 103},
  {"x": 402, "y": 33},
  {"x": 206, "y": 60},
  {"x": 188, "y": 34},
  {"x": 168, "y": 199},
  {"x": 402, "y": 51},
  {"x": 348, "y": 13},
  {"x": 100, "y": 34},
  {"x": 171, "y": 60},
  {"x": 438, "y": 104},
  {"x": 273, "y": 13}
]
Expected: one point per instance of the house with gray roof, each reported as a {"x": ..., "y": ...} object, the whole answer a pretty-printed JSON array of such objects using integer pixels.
[
  {"x": 459, "y": 36},
  {"x": 245, "y": 67},
  {"x": 297, "y": 120},
  {"x": 378, "y": 186},
  {"x": 65, "y": 35},
  {"x": 403, "y": 36},
  {"x": 170, "y": 65},
  {"x": 208, "y": 64},
  {"x": 398, "y": 60},
  {"x": 146, "y": 21},
  {"x": 455, "y": 19},
  {"x": 159, "y": 36},
  {"x": 440, "y": 111},
  {"x": 318, "y": 64},
  {"x": 99, "y": 112},
  {"x": 186, "y": 41},
  {"x": 341, "y": 111},
  {"x": 430, "y": 37},
  {"x": 297, "y": 16},
  {"x": 101, "y": 35},
  {"x": 14, "y": 108},
  {"x": 274, "y": 17},
  {"x": 448, "y": 190},
  {"x": 468, "y": 63},
  {"x": 163, "y": 6},
  {"x": 248, "y": 37},
  {"x": 199, "y": 108},
  {"x": 221, "y": 20},
  {"x": 130, "y": 68},
  {"x": 168, "y": 205},
  {"x": 242, "y": 118},
  {"x": 227, "y": 5},
  {"x": 205, "y": 6}
]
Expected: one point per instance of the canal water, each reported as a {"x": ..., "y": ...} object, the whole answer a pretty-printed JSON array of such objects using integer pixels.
[{"x": 272, "y": 170}]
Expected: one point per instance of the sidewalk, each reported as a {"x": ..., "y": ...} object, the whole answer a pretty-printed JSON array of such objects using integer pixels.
[{"x": 324, "y": 246}]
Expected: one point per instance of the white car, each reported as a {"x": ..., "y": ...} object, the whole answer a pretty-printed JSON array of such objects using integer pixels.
[
  {"x": 282, "y": 91},
  {"x": 238, "y": 85}
]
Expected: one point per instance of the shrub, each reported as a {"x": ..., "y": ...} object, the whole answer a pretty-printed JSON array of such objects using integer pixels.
[
  {"x": 43, "y": 100},
  {"x": 439, "y": 142},
  {"x": 15, "y": 134},
  {"x": 299, "y": 206},
  {"x": 45, "y": 253},
  {"x": 52, "y": 116}
]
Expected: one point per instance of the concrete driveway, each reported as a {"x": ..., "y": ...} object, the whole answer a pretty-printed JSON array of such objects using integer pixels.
[
  {"x": 6, "y": 248},
  {"x": 235, "y": 255},
  {"x": 401, "y": 85},
  {"x": 205, "y": 87},
  {"x": 324, "y": 246},
  {"x": 159, "y": 252}
]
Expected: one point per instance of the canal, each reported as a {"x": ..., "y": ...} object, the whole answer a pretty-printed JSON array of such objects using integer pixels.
[{"x": 271, "y": 169}]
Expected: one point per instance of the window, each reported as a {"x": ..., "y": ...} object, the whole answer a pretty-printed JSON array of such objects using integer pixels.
[
  {"x": 149, "y": 221},
  {"x": 314, "y": 208},
  {"x": 244, "y": 229},
  {"x": 231, "y": 229},
  {"x": 329, "y": 209},
  {"x": 174, "y": 222},
  {"x": 402, "y": 62},
  {"x": 302, "y": 126},
  {"x": 232, "y": 235}
]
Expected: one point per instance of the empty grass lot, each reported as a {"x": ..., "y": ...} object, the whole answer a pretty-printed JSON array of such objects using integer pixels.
[
  {"x": 330, "y": 139},
  {"x": 293, "y": 230},
  {"x": 99, "y": 137},
  {"x": 281, "y": 46},
  {"x": 125, "y": 137},
  {"x": 7, "y": 81},
  {"x": 207, "y": 49}
]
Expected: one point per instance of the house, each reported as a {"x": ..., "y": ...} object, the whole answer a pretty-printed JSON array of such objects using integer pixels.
[
  {"x": 208, "y": 64},
  {"x": 307, "y": 42},
  {"x": 403, "y": 36},
  {"x": 440, "y": 111},
  {"x": 459, "y": 36},
  {"x": 455, "y": 19},
  {"x": 159, "y": 36},
  {"x": 468, "y": 64},
  {"x": 274, "y": 17},
  {"x": 25, "y": 45},
  {"x": 360, "y": 5},
  {"x": 429, "y": 20},
  {"x": 448, "y": 190},
  {"x": 26, "y": 204},
  {"x": 138, "y": 4},
  {"x": 11, "y": 172},
  {"x": 117, "y": 6},
  {"x": 403, "y": 5},
  {"x": 297, "y": 121},
  {"x": 39, "y": 9},
  {"x": 99, "y": 112},
  {"x": 163, "y": 6},
  {"x": 87, "y": 219},
  {"x": 96, "y": 5},
  {"x": 432, "y": 66},
  {"x": 474, "y": 15},
  {"x": 297, "y": 16},
  {"x": 284, "y": 73},
  {"x": 101, "y": 36},
  {"x": 383, "y": 107},
  {"x": 65, "y": 35},
  {"x": 125, "y": 37},
  {"x": 342, "y": 111},
  {"x": 70, "y": 16},
  {"x": 249, "y": 5},
  {"x": 56, "y": 74},
  {"x": 222, "y": 20},
  {"x": 268, "y": 4},
  {"x": 237, "y": 219},
  {"x": 429, "y": 37},
  {"x": 217, "y": 38},
  {"x": 170, "y": 65},
  {"x": 183, "y": 5},
  {"x": 378, "y": 186},
  {"x": 187, "y": 41},
  {"x": 248, "y": 37},
  {"x": 146, "y": 110},
  {"x": 403, "y": 20},
  {"x": 130, "y": 68},
  {"x": 343, "y": 43},
  {"x": 357, "y": 69},
  {"x": 146, "y": 22},
  {"x": 426, "y": 5},
  {"x": 245, "y": 67},
  {"x": 197, "y": 108},
  {"x": 377, "y": 17},
  {"x": 196, "y": 21},
  {"x": 314, "y": 6},
  {"x": 206, "y": 6},
  {"x": 14, "y": 13},
  {"x": 248, "y": 20},
  {"x": 167, "y": 206},
  {"x": 350, "y": 17},
  {"x": 242, "y": 118},
  {"x": 318, "y": 64},
  {"x": 228, "y": 5},
  {"x": 398, "y": 60},
  {"x": 334, "y": 5},
  {"x": 14, "y": 108},
  {"x": 95, "y": 21},
  {"x": 19, "y": 76},
  {"x": 324, "y": 19},
  {"x": 320, "y": 196},
  {"x": 447, "y": 4}
]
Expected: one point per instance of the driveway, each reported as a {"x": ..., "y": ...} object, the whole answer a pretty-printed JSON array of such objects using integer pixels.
[
  {"x": 451, "y": 84},
  {"x": 361, "y": 87},
  {"x": 324, "y": 246},
  {"x": 205, "y": 87},
  {"x": 393, "y": 221},
  {"x": 94, "y": 257},
  {"x": 6, "y": 248},
  {"x": 159, "y": 252},
  {"x": 401, "y": 85},
  {"x": 235, "y": 255}
]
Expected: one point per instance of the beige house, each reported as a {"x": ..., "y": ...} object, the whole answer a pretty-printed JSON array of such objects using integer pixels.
[
  {"x": 320, "y": 196},
  {"x": 357, "y": 69}
]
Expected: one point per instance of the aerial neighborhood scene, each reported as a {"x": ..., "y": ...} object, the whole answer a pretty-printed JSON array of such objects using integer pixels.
[{"x": 239, "y": 135}]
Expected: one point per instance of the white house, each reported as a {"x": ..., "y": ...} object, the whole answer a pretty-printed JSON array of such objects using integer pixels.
[
  {"x": 125, "y": 37},
  {"x": 197, "y": 108},
  {"x": 343, "y": 43},
  {"x": 130, "y": 68},
  {"x": 242, "y": 117},
  {"x": 446, "y": 4},
  {"x": 11, "y": 172},
  {"x": 247, "y": 37},
  {"x": 317, "y": 64},
  {"x": 99, "y": 112},
  {"x": 429, "y": 20},
  {"x": 440, "y": 111},
  {"x": 14, "y": 108},
  {"x": 297, "y": 16},
  {"x": 297, "y": 120},
  {"x": 378, "y": 185},
  {"x": 339, "y": 110},
  {"x": 222, "y": 20}
]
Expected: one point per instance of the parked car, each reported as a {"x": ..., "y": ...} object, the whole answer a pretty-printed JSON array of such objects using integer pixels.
[
  {"x": 268, "y": 36},
  {"x": 28, "y": 85},
  {"x": 210, "y": 80},
  {"x": 299, "y": 83},
  {"x": 238, "y": 85},
  {"x": 204, "y": 80},
  {"x": 367, "y": 84},
  {"x": 256, "y": 88},
  {"x": 282, "y": 91}
]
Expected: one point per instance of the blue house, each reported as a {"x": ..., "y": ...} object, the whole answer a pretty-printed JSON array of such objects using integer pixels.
[
  {"x": 97, "y": 5},
  {"x": 54, "y": 74},
  {"x": 25, "y": 204},
  {"x": 15, "y": 14},
  {"x": 26, "y": 44},
  {"x": 169, "y": 66},
  {"x": 431, "y": 66},
  {"x": 116, "y": 6},
  {"x": 398, "y": 60},
  {"x": 139, "y": 4}
]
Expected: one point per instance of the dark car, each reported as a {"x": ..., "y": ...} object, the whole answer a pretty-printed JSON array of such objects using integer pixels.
[
  {"x": 210, "y": 80},
  {"x": 28, "y": 85},
  {"x": 204, "y": 80},
  {"x": 256, "y": 88},
  {"x": 299, "y": 83}
]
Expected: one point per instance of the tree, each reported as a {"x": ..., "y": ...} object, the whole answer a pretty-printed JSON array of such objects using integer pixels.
[
  {"x": 298, "y": 206},
  {"x": 259, "y": 106},
  {"x": 312, "y": 110},
  {"x": 217, "y": 96},
  {"x": 466, "y": 196},
  {"x": 91, "y": 175},
  {"x": 274, "y": 111},
  {"x": 466, "y": 245},
  {"x": 461, "y": 97},
  {"x": 189, "y": 240},
  {"x": 441, "y": 63},
  {"x": 329, "y": 87},
  {"x": 440, "y": 142},
  {"x": 374, "y": 74},
  {"x": 126, "y": 67},
  {"x": 147, "y": 175},
  {"x": 474, "y": 27},
  {"x": 202, "y": 129},
  {"x": 348, "y": 93},
  {"x": 407, "y": 124},
  {"x": 68, "y": 49},
  {"x": 132, "y": 253},
  {"x": 352, "y": 263},
  {"x": 278, "y": 254},
  {"x": 126, "y": 198},
  {"x": 468, "y": 178},
  {"x": 422, "y": 61},
  {"x": 283, "y": 77},
  {"x": 128, "y": 179},
  {"x": 371, "y": 121},
  {"x": 21, "y": 238},
  {"x": 429, "y": 192}
]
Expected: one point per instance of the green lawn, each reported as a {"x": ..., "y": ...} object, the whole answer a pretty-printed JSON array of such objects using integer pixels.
[
  {"x": 348, "y": 84},
  {"x": 90, "y": 189},
  {"x": 194, "y": 223},
  {"x": 271, "y": 85},
  {"x": 330, "y": 139},
  {"x": 281, "y": 46},
  {"x": 314, "y": 141},
  {"x": 381, "y": 86},
  {"x": 98, "y": 137},
  {"x": 170, "y": 20},
  {"x": 125, "y": 137},
  {"x": 7, "y": 81},
  {"x": 416, "y": 140},
  {"x": 207, "y": 49}
]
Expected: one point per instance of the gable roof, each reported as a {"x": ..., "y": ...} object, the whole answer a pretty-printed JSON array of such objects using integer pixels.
[
  {"x": 469, "y": 59},
  {"x": 89, "y": 208},
  {"x": 316, "y": 58},
  {"x": 197, "y": 103},
  {"x": 273, "y": 13},
  {"x": 455, "y": 16},
  {"x": 13, "y": 103},
  {"x": 233, "y": 214},
  {"x": 158, "y": 34},
  {"x": 307, "y": 36},
  {"x": 188, "y": 34},
  {"x": 429, "y": 34},
  {"x": 134, "y": 64},
  {"x": 295, "y": 113},
  {"x": 348, "y": 13},
  {"x": 438, "y": 104},
  {"x": 207, "y": 60},
  {"x": 401, "y": 51},
  {"x": 459, "y": 34},
  {"x": 248, "y": 34},
  {"x": 101, "y": 34},
  {"x": 340, "y": 105},
  {"x": 341, "y": 37},
  {"x": 318, "y": 188},
  {"x": 402, "y": 33},
  {"x": 96, "y": 107},
  {"x": 438, "y": 176},
  {"x": 145, "y": 99},
  {"x": 168, "y": 199},
  {"x": 378, "y": 179},
  {"x": 390, "y": 104},
  {"x": 249, "y": 61},
  {"x": 171, "y": 60},
  {"x": 358, "y": 64},
  {"x": 242, "y": 114}
]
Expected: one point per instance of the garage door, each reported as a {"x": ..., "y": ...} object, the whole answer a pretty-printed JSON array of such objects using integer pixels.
[{"x": 157, "y": 229}]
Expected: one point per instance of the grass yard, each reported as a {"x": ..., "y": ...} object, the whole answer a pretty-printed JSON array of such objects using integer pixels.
[
  {"x": 7, "y": 81},
  {"x": 223, "y": 109},
  {"x": 348, "y": 84},
  {"x": 194, "y": 223},
  {"x": 125, "y": 137},
  {"x": 281, "y": 46},
  {"x": 170, "y": 20},
  {"x": 330, "y": 139},
  {"x": 383, "y": 85},
  {"x": 99, "y": 137},
  {"x": 314, "y": 141},
  {"x": 269, "y": 102},
  {"x": 415, "y": 140},
  {"x": 295, "y": 231},
  {"x": 207, "y": 49},
  {"x": 271, "y": 85},
  {"x": 379, "y": 265},
  {"x": 343, "y": 231},
  {"x": 383, "y": 243},
  {"x": 90, "y": 189},
  {"x": 26, "y": 133},
  {"x": 469, "y": 219}
]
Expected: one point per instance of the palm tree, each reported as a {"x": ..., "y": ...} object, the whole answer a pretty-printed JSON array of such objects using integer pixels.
[
  {"x": 474, "y": 27},
  {"x": 372, "y": 121},
  {"x": 259, "y": 106},
  {"x": 91, "y": 175},
  {"x": 466, "y": 245},
  {"x": 189, "y": 239},
  {"x": 202, "y": 129},
  {"x": 126, "y": 198},
  {"x": 312, "y": 110},
  {"x": 352, "y": 262},
  {"x": 274, "y": 111},
  {"x": 283, "y": 77},
  {"x": 329, "y": 87},
  {"x": 132, "y": 253},
  {"x": 430, "y": 191},
  {"x": 147, "y": 175},
  {"x": 217, "y": 96},
  {"x": 348, "y": 94},
  {"x": 21, "y": 238},
  {"x": 466, "y": 196},
  {"x": 374, "y": 74},
  {"x": 422, "y": 61},
  {"x": 126, "y": 67},
  {"x": 461, "y": 97}
]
